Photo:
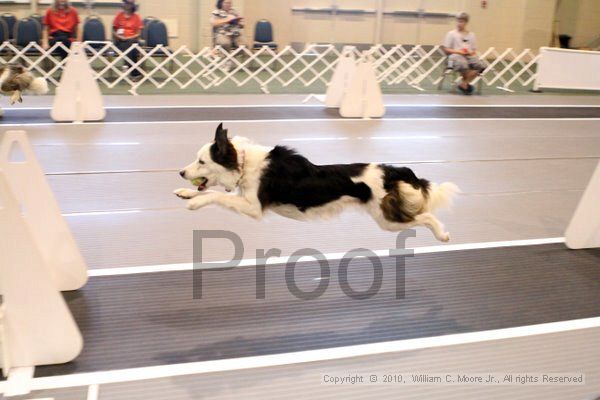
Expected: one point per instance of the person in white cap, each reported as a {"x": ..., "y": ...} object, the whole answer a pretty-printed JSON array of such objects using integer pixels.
[{"x": 461, "y": 48}]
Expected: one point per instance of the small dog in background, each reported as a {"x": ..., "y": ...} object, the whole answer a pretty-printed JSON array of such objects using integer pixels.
[
  {"x": 280, "y": 180},
  {"x": 15, "y": 79}
]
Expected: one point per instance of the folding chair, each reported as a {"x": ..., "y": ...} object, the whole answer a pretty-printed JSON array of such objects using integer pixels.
[{"x": 450, "y": 72}]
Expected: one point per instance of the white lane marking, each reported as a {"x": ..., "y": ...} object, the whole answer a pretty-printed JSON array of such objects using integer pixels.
[
  {"x": 329, "y": 256},
  {"x": 403, "y": 137},
  {"x": 396, "y": 105},
  {"x": 274, "y": 360},
  {"x": 246, "y": 121},
  {"x": 89, "y": 144},
  {"x": 95, "y": 213}
]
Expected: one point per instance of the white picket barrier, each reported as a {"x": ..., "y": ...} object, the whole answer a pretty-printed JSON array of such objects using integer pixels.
[
  {"x": 78, "y": 97},
  {"x": 38, "y": 259},
  {"x": 583, "y": 231},
  {"x": 414, "y": 65}
]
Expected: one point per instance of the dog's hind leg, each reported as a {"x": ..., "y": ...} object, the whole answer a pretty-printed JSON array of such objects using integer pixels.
[{"x": 430, "y": 221}]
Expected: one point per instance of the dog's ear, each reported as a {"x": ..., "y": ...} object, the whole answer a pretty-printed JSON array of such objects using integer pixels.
[
  {"x": 221, "y": 136},
  {"x": 222, "y": 151}
]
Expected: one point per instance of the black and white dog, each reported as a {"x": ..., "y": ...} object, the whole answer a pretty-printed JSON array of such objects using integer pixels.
[{"x": 279, "y": 179}]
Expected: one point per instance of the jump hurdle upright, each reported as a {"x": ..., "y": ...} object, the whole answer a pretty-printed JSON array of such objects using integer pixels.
[{"x": 39, "y": 258}]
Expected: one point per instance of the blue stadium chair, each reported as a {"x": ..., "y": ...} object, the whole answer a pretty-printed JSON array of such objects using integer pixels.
[
  {"x": 263, "y": 35},
  {"x": 38, "y": 18},
  {"x": 145, "y": 22},
  {"x": 3, "y": 36},
  {"x": 10, "y": 21},
  {"x": 28, "y": 30},
  {"x": 3, "y": 31},
  {"x": 93, "y": 31},
  {"x": 156, "y": 35}
]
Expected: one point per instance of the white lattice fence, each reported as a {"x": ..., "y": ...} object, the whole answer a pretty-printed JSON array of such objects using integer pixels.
[{"x": 416, "y": 66}]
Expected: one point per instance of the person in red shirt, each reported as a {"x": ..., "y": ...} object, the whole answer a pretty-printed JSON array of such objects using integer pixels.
[
  {"x": 127, "y": 27},
  {"x": 61, "y": 24}
]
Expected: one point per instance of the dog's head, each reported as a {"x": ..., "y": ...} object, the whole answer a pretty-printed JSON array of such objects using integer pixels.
[{"x": 217, "y": 163}]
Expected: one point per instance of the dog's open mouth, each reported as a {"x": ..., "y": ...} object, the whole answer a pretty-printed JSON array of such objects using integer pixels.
[{"x": 200, "y": 183}]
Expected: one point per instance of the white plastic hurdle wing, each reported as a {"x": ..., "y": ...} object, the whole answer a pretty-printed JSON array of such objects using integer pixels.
[
  {"x": 363, "y": 98},
  {"x": 78, "y": 97},
  {"x": 37, "y": 326},
  {"x": 340, "y": 81},
  {"x": 53, "y": 239},
  {"x": 583, "y": 231}
]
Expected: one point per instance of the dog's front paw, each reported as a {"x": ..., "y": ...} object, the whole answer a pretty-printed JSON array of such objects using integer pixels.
[
  {"x": 186, "y": 193},
  {"x": 15, "y": 97},
  {"x": 198, "y": 202},
  {"x": 445, "y": 237}
]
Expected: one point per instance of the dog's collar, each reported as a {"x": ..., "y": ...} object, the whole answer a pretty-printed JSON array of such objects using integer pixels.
[{"x": 241, "y": 158}]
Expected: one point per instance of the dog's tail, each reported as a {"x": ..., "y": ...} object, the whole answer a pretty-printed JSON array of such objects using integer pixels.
[
  {"x": 39, "y": 86},
  {"x": 441, "y": 196}
]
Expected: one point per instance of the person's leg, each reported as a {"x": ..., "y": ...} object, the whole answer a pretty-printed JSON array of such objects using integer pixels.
[
  {"x": 459, "y": 64},
  {"x": 469, "y": 76},
  {"x": 131, "y": 55},
  {"x": 63, "y": 38},
  {"x": 134, "y": 55},
  {"x": 67, "y": 43},
  {"x": 227, "y": 43},
  {"x": 476, "y": 64},
  {"x": 476, "y": 67},
  {"x": 224, "y": 41}
]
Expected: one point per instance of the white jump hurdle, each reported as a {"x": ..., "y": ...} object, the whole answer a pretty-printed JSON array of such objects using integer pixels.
[
  {"x": 354, "y": 88},
  {"x": 340, "y": 81},
  {"x": 38, "y": 259},
  {"x": 583, "y": 231},
  {"x": 78, "y": 96}
]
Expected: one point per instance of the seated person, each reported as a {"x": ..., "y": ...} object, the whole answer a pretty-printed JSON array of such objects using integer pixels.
[
  {"x": 459, "y": 44},
  {"x": 127, "y": 27},
  {"x": 60, "y": 26},
  {"x": 227, "y": 25}
]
